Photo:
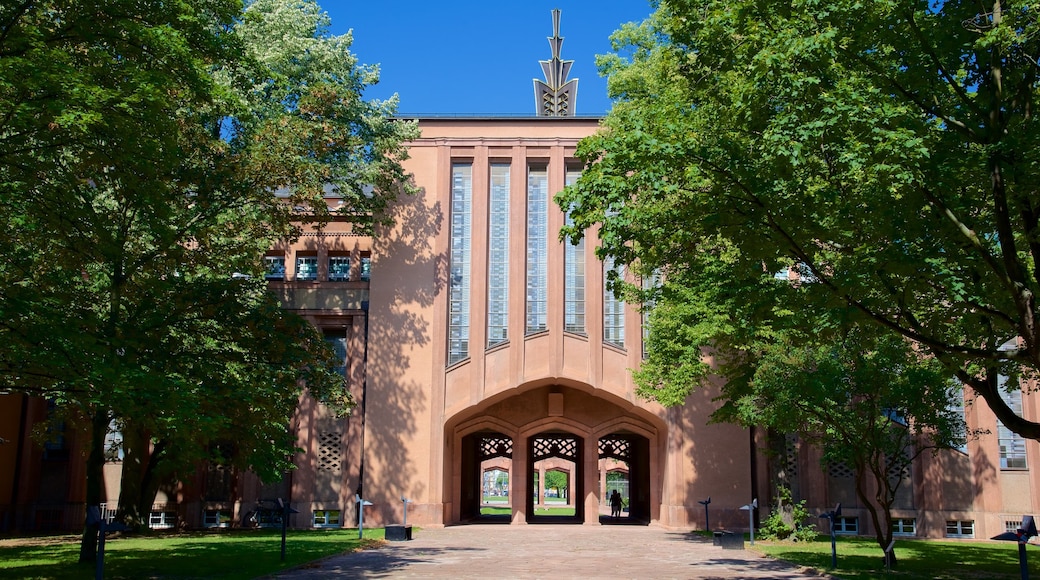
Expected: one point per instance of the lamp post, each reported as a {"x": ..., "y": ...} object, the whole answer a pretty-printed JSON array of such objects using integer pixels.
[
  {"x": 707, "y": 522},
  {"x": 832, "y": 516}
]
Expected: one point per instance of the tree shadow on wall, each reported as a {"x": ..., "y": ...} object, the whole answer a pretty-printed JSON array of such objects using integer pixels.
[{"x": 407, "y": 275}]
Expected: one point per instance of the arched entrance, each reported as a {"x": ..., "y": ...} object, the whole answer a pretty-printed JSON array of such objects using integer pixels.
[
  {"x": 624, "y": 463},
  {"x": 483, "y": 452},
  {"x": 566, "y": 448},
  {"x": 549, "y": 449}
]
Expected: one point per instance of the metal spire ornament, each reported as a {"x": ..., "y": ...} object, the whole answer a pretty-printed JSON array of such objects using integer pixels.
[{"x": 555, "y": 96}]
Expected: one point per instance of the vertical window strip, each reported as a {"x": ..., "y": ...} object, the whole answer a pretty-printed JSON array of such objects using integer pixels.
[
  {"x": 537, "y": 247},
  {"x": 1012, "y": 445},
  {"x": 613, "y": 308},
  {"x": 574, "y": 275},
  {"x": 649, "y": 283},
  {"x": 458, "y": 284},
  {"x": 498, "y": 256},
  {"x": 956, "y": 408}
]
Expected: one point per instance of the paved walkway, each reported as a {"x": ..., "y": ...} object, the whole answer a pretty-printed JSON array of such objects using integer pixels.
[{"x": 553, "y": 552}]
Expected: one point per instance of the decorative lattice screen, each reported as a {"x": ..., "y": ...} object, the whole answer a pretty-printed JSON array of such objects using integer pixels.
[
  {"x": 840, "y": 470},
  {"x": 616, "y": 447},
  {"x": 495, "y": 445},
  {"x": 330, "y": 451},
  {"x": 546, "y": 446}
]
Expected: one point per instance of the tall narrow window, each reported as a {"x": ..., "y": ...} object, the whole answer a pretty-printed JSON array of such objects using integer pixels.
[
  {"x": 458, "y": 283},
  {"x": 337, "y": 339},
  {"x": 956, "y": 407},
  {"x": 537, "y": 246},
  {"x": 498, "y": 256},
  {"x": 613, "y": 308},
  {"x": 649, "y": 283},
  {"x": 1012, "y": 445},
  {"x": 574, "y": 275}
]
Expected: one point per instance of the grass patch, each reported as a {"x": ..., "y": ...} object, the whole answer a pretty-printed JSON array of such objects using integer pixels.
[
  {"x": 861, "y": 558},
  {"x": 554, "y": 511},
  {"x": 225, "y": 554},
  {"x": 496, "y": 511}
]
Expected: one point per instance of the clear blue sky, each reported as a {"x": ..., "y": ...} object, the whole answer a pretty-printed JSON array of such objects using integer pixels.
[{"x": 479, "y": 57}]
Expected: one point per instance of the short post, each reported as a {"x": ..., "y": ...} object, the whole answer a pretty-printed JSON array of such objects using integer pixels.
[
  {"x": 1022, "y": 535},
  {"x": 286, "y": 510},
  {"x": 751, "y": 507},
  {"x": 94, "y": 516},
  {"x": 832, "y": 516},
  {"x": 361, "y": 503},
  {"x": 707, "y": 522},
  {"x": 405, "y": 501}
]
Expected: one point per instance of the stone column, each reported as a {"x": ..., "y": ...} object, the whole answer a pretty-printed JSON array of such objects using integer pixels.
[{"x": 590, "y": 491}]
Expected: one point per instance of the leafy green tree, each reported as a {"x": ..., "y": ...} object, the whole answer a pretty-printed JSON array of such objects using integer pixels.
[
  {"x": 885, "y": 150},
  {"x": 138, "y": 198},
  {"x": 557, "y": 480},
  {"x": 867, "y": 401}
]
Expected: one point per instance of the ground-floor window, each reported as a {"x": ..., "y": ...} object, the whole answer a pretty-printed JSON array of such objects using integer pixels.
[
  {"x": 846, "y": 525},
  {"x": 162, "y": 520},
  {"x": 960, "y": 529},
  {"x": 216, "y": 518},
  {"x": 904, "y": 526},
  {"x": 326, "y": 518}
]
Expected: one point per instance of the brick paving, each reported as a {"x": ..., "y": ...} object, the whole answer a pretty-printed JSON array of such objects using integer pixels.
[{"x": 551, "y": 551}]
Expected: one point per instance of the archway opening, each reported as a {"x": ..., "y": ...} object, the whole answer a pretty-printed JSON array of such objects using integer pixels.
[
  {"x": 624, "y": 479},
  {"x": 487, "y": 462},
  {"x": 555, "y": 479}
]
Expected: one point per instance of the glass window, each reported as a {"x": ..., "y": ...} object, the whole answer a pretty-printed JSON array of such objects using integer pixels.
[
  {"x": 366, "y": 266},
  {"x": 613, "y": 308},
  {"x": 275, "y": 267},
  {"x": 956, "y": 407},
  {"x": 216, "y": 518},
  {"x": 306, "y": 268},
  {"x": 459, "y": 262},
  {"x": 960, "y": 529},
  {"x": 1012, "y": 445},
  {"x": 574, "y": 275},
  {"x": 537, "y": 247},
  {"x": 162, "y": 520},
  {"x": 904, "y": 526},
  {"x": 339, "y": 268},
  {"x": 337, "y": 339},
  {"x": 326, "y": 518},
  {"x": 498, "y": 256},
  {"x": 846, "y": 525}
]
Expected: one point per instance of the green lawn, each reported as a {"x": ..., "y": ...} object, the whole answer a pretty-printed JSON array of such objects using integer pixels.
[
  {"x": 860, "y": 558},
  {"x": 234, "y": 554}
]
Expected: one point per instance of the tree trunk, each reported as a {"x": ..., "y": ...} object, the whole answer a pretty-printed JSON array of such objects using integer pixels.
[
  {"x": 95, "y": 477},
  {"x": 882, "y": 525},
  {"x": 139, "y": 483}
]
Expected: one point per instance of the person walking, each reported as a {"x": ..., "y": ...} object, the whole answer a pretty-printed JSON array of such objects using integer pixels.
[{"x": 615, "y": 504}]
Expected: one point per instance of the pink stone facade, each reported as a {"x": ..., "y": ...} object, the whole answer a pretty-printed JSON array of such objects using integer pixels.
[{"x": 430, "y": 429}]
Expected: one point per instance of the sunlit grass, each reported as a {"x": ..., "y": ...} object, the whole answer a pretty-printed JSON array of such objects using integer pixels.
[
  {"x": 860, "y": 558},
  {"x": 226, "y": 554}
]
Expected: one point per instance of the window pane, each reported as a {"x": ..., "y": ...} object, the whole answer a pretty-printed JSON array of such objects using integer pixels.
[
  {"x": 537, "y": 247},
  {"x": 574, "y": 276},
  {"x": 459, "y": 260},
  {"x": 498, "y": 256}
]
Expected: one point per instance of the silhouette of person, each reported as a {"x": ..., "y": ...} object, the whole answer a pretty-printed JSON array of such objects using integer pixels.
[{"x": 615, "y": 504}]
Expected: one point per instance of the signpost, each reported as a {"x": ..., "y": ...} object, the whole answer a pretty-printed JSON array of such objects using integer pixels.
[
  {"x": 1022, "y": 535},
  {"x": 751, "y": 507},
  {"x": 707, "y": 522},
  {"x": 832, "y": 516},
  {"x": 361, "y": 503}
]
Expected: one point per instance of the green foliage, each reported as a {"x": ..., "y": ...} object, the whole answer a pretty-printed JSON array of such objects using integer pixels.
[
  {"x": 788, "y": 519},
  {"x": 887, "y": 152},
  {"x": 555, "y": 479},
  {"x": 222, "y": 554},
  {"x": 141, "y": 144}
]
